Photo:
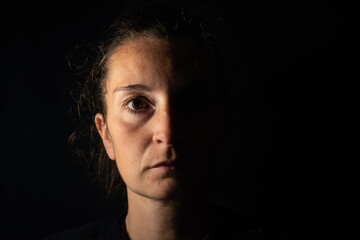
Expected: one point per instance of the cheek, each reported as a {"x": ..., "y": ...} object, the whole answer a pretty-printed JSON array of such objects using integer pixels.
[
  {"x": 202, "y": 125},
  {"x": 130, "y": 144},
  {"x": 201, "y": 136},
  {"x": 130, "y": 138}
]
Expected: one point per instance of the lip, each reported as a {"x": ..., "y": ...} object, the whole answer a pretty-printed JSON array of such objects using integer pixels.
[{"x": 164, "y": 164}]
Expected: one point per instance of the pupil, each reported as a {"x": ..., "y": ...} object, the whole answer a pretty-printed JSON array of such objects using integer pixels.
[{"x": 136, "y": 104}]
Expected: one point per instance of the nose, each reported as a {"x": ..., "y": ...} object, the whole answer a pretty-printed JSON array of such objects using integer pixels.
[{"x": 163, "y": 128}]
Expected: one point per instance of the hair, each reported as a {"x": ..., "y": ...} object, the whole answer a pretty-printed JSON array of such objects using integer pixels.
[{"x": 137, "y": 19}]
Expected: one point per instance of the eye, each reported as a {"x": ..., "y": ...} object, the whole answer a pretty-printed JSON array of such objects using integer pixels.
[{"x": 136, "y": 104}]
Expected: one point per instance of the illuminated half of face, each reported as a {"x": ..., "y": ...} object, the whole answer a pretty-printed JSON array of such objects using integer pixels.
[{"x": 162, "y": 116}]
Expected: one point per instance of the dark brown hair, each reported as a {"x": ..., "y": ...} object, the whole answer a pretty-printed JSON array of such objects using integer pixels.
[{"x": 137, "y": 19}]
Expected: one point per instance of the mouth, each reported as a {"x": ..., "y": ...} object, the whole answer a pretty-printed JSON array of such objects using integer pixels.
[{"x": 166, "y": 165}]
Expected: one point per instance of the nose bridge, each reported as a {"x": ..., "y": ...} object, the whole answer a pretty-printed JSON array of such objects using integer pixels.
[{"x": 164, "y": 125}]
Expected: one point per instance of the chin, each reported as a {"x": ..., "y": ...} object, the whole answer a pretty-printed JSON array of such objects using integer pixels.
[{"x": 167, "y": 189}]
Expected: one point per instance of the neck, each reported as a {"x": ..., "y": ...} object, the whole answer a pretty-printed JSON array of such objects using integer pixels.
[{"x": 167, "y": 219}]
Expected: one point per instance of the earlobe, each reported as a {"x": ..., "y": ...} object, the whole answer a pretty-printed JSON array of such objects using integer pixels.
[{"x": 103, "y": 130}]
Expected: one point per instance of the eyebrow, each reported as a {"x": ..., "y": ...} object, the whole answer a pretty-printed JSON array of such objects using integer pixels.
[{"x": 137, "y": 87}]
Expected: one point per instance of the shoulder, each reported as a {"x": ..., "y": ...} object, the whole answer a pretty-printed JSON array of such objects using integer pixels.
[
  {"x": 104, "y": 229},
  {"x": 233, "y": 225}
]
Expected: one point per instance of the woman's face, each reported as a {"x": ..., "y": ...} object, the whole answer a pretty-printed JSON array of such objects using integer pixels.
[{"x": 162, "y": 118}]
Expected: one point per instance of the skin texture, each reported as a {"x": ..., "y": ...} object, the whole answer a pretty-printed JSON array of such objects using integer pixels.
[{"x": 162, "y": 105}]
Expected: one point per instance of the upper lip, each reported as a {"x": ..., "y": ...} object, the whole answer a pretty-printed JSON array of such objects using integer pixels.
[{"x": 163, "y": 163}]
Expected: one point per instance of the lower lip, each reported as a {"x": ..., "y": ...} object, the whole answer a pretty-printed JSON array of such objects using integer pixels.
[{"x": 166, "y": 167}]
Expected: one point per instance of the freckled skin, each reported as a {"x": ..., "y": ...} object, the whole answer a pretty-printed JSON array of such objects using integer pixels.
[{"x": 174, "y": 127}]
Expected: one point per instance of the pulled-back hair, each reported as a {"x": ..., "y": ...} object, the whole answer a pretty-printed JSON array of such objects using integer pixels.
[{"x": 137, "y": 19}]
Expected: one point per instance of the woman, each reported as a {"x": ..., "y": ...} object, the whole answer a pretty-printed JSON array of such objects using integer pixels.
[{"x": 155, "y": 100}]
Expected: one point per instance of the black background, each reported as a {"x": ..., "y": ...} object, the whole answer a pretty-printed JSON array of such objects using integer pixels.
[{"x": 286, "y": 63}]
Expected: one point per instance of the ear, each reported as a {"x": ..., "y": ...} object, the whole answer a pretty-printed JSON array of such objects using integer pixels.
[{"x": 102, "y": 128}]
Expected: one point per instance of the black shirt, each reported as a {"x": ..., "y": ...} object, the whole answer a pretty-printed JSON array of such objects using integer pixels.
[{"x": 226, "y": 226}]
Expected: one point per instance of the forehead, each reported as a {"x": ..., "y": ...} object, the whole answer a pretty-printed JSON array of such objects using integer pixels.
[{"x": 174, "y": 63}]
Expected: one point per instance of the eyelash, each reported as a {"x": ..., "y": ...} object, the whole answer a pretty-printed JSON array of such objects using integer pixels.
[{"x": 143, "y": 99}]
